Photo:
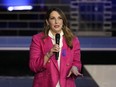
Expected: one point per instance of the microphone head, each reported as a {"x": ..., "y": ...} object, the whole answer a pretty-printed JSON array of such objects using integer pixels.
[{"x": 57, "y": 38}]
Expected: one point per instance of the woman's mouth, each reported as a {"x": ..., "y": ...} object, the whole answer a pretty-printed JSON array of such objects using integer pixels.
[{"x": 56, "y": 26}]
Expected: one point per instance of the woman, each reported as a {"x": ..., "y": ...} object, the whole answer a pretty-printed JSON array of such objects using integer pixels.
[{"x": 50, "y": 72}]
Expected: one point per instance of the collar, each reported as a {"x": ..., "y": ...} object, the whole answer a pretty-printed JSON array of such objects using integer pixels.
[{"x": 52, "y": 36}]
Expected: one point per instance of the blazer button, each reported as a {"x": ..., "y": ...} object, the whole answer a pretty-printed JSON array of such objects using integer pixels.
[
  {"x": 48, "y": 61},
  {"x": 67, "y": 64}
]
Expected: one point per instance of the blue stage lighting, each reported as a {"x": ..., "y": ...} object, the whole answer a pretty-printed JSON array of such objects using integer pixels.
[{"x": 18, "y": 4}]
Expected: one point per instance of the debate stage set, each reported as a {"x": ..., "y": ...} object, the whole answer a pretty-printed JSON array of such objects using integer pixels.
[{"x": 93, "y": 21}]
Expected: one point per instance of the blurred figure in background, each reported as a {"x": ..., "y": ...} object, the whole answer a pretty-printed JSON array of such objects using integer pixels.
[{"x": 49, "y": 71}]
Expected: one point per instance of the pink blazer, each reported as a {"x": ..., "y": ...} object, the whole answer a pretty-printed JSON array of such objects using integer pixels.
[{"x": 48, "y": 75}]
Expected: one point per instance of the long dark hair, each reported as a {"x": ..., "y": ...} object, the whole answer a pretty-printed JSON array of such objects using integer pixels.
[{"x": 67, "y": 32}]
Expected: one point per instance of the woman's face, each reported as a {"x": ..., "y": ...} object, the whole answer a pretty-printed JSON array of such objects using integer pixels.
[{"x": 55, "y": 22}]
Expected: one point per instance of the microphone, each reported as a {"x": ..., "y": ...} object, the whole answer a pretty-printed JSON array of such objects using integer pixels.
[{"x": 57, "y": 39}]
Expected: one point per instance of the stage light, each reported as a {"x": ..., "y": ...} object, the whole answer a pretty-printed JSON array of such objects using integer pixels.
[
  {"x": 11, "y": 5},
  {"x": 11, "y": 8}
]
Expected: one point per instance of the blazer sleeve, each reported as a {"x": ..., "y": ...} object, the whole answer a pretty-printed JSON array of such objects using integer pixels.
[
  {"x": 36, "y": 58},
  {"x": 77, "y": 54}
]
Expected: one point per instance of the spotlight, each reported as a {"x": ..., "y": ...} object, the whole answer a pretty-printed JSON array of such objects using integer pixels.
[{"x": 11, "y": 8}]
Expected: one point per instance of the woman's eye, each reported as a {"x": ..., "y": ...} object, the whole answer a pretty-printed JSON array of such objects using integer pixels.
[
  {"x": 60, "y": 18},
  {"x": 51, "y": 18}
]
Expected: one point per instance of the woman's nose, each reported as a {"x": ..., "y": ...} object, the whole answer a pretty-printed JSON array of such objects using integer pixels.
[{"x": 56, "y": 21}]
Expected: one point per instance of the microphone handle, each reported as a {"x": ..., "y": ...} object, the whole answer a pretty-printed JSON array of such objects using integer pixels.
[{"x": 57, "y": 55}]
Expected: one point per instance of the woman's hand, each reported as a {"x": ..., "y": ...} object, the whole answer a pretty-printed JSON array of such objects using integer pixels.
[
  {"x": 54, "y": 49},
  {"x": 74, "y": 71}
]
